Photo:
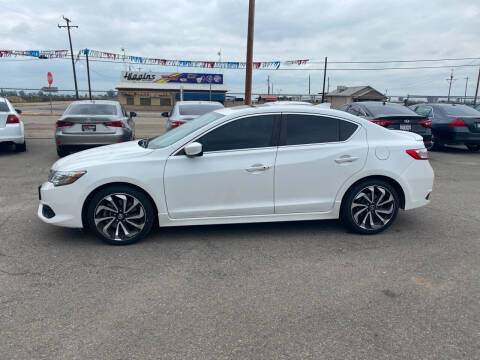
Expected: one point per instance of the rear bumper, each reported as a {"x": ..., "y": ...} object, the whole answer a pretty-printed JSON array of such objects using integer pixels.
[
  {"x": 459, "y": 136},
  {"x": 88, "y": 140},
  {"x": 417, "y": 182},
  {"x": 12, "y": 133}
]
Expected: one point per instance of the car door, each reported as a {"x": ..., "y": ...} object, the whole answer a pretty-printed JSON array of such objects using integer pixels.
[
  {"x": 316, "y": 155},
  {"x": 233, "y": 176}
]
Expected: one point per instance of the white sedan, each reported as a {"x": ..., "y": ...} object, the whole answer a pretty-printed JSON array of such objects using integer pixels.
[
  {"x": 11, "y": 128},
  {"x": 243, "y": 165}
]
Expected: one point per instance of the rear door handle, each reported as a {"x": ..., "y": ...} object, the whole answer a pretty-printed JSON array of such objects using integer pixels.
[
  {"x": 346, "y": 159},
  {"x": 257, "y": 167}
]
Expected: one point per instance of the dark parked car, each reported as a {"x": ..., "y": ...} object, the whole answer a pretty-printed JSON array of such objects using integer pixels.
[
  {"x": 452, "y": 124},
  {"x": 392, "y": 116}
]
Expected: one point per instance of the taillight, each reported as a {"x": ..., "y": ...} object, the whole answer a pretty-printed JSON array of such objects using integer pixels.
[
  {"x": 427, "y": 123},
  {"x": 176, "y": 123},
  {"x": 61, "y": 123},
  {"x": 114, "y": 124},
  {"x": 12, "y": 119},
  {"x": 418, "y": 154},
  {"x": 458, "y": 122},
  {"x": 383, "y": 123}
]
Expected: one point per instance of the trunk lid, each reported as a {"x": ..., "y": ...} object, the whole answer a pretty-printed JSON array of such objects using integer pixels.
[
  {"x": 98, "y": 122},
  {"x": 3, "y": 119},
  {"x": 472, "y": 122},
  {"x": 405, "y": 123}
]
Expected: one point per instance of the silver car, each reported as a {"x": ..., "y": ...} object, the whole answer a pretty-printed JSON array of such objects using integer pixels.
[
  {"x": 90, "y": 123},
  {"x": 184, "y": 111}
]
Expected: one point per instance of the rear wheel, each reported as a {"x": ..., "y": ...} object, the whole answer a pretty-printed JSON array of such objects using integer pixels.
[
  {"x": 435, "y": 144},
  {"x": 473, "y": 147},
  {"x": 21, "y": 147},
  {"x": 120, "y": 215},
  {"x": 61, "y": 152},
  {"x": 370, "y": 207}
]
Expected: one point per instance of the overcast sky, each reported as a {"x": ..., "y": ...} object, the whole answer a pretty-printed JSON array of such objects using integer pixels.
[{"x": 343, "y": 30}]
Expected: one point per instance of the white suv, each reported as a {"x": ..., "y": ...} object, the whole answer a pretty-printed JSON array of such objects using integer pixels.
[{"x": 11, "y": 128}]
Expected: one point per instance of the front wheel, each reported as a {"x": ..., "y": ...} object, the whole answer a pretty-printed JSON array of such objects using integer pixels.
[
  {"x": 61, "y": 152},
  {"x": 370, "y": 207},
  {"x": 473, "y": 147},
  {"x": 120, "y": 215}
]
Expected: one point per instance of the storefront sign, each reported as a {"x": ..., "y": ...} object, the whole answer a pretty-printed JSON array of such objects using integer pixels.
[{"x": 182, "y": 78}]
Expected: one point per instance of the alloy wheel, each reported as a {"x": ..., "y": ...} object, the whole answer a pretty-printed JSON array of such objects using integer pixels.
[
  {"x": 119, "y": 216},
  {"x": 373, "y": 207}
]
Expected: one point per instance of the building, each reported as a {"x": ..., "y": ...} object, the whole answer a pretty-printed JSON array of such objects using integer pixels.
[
  {"x": 138, "y": 90},
  {"x": 345, "y": 95}
]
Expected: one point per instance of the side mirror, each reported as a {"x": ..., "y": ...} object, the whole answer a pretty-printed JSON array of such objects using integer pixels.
[
  {"x": 165, "y": 114},
  {"x": 133, "y": 114},
  {"x": 18, "y": 111},
  {"x": 193, "y": 149}
]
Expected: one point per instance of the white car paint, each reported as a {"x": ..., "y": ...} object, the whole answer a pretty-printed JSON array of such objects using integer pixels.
[
  {"x": 10, "y": 133},
  {"x": 301, "y": 182}
]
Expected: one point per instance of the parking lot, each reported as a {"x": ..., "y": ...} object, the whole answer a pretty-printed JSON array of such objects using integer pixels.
[{"x": 306, "y": 290}]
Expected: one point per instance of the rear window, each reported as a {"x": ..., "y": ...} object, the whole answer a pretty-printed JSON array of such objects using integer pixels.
[
  {"x": 388, "y": 109},
  {"x": 197, "y": 109},
  {"x": 460, "y": 110},
  {"x": 91, "y": 109},
  {"x": 4, "y": 107}
]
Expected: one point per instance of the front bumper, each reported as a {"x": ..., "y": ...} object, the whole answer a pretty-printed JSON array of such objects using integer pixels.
[
  {"x": 12, "y": 133},
  {"x": 65, "y": 204}
]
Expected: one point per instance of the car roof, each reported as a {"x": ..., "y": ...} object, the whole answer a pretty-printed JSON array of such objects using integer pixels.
[
  {"x": 270, "y": 103},
  {"x": 197, "y": 102},
  {"x": 110, "y": 102}
]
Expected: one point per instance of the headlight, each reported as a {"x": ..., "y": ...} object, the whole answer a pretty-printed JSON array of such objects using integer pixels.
[{"x": 59, "y": 178}]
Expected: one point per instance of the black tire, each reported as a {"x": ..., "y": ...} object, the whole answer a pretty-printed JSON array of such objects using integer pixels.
[
  {"x": 347, "y": 212},
  {"x": 473, "y": 147},
  {"x": 21, "y": 147},
  {"x": 61, "y": 151},
  {"x": 436, "y": 144},
  {"x": 116, "y": 192}
]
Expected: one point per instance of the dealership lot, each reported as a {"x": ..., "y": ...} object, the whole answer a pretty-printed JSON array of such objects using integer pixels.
[{"x": 280, "y": 290}]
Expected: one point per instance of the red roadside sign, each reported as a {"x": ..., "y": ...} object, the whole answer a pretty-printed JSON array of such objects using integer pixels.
[{"x": 50, "y": 78}]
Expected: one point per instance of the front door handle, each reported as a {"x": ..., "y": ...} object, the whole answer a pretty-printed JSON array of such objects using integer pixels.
[
  {"x": 346, "y": 159},
  {"x": 257, "y": 167}
]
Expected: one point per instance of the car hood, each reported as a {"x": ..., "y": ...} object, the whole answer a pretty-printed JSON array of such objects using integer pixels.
[{"x": 101, "y": 155}]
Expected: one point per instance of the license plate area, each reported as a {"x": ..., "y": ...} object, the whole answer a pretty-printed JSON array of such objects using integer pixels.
[
  {"x": 406, "y": 127},
  {"x": 89, "y": 128}
]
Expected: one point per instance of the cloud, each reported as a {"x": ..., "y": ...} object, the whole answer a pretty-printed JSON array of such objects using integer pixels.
[{"x": 284, "y": 29}]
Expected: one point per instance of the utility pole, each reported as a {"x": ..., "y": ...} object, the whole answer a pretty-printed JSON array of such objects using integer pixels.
[
  {"x": 450, "y": 80},
  {"x": 308, "y": 84},
  {"x": 268, "y": 84},
  {"x": 466, "y": 85},
  {"x": 249, "y": 60},
  {"x": 68, "y": 26},
  {"x": 328, "y": 86},
  {"x": 88, "y": 76},
  {"x": 476, "y": 91},
  {"x": 324, "y": 78}
]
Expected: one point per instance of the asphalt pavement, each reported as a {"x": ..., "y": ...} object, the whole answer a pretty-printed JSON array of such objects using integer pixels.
[{"x": 295, "y": 290}]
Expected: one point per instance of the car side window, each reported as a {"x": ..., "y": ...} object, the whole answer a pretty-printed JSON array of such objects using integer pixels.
[
  {"x": 310, "y": 129},
  {"x": 357, "y": 110},
  {"x": 245, "y": 133}
]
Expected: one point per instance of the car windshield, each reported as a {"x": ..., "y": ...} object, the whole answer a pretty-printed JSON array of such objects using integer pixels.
[
  {"x": 180, "y": 132},
  {"x": 4, "y": 107},
  {"x": 91, "y": 109},
  {"x": 198, "y": 109},
  {"x": 461, "y": 110},
  {"x": 385, "y": 109}
]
